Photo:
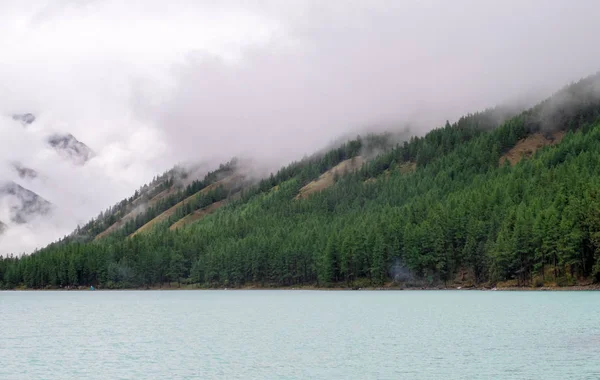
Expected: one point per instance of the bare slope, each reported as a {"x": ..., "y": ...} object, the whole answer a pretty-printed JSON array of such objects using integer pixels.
[
  {"x": 403, "y": 168},
  {"x": 529, "y": 145},
  {"x": 407, "y": 167},
  {"x": 227, "y": 182},
  {"x": 197, "y": 215},
  {"x": 139, "y": 208},
  {"x": 327, "y": 179}
]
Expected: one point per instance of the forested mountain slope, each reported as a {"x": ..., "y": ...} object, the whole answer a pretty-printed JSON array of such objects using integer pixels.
[{"x": 445, "y": 208}]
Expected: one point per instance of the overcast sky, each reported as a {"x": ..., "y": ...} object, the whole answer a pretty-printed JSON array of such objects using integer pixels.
[{"x": 147, "y": 84}]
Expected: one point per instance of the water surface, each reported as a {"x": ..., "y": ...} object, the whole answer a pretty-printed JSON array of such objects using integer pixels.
[{"x": 299, "y": 335}]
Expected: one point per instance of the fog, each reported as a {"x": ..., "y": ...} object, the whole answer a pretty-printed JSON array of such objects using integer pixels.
[{"x": 149, "y": 84}]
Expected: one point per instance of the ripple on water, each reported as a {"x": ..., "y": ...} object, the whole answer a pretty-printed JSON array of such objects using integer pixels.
[{"x": 299, "y": 335}]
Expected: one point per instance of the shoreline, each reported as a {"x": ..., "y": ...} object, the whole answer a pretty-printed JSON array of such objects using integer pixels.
[{"x": 591, "y": 287}]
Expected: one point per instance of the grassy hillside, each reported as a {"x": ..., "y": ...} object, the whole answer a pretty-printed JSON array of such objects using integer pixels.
[
  {"x": 164, "y": 194},
  {"x": 486, "y": 200}
]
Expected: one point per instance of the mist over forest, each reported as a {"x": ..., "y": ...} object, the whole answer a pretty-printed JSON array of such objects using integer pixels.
[{"x": 147, "y": 87}]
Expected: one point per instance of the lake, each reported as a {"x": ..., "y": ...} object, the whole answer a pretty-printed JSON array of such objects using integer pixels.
[{"x": 296, "y": 334}]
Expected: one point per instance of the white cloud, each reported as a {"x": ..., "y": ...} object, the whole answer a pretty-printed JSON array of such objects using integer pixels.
[
  {"x": 80, "y": 67},
  {"x": 149, "y": 83}
]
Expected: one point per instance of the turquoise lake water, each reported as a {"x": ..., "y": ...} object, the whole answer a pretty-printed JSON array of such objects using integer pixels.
[{"x": 292, "y": 334}]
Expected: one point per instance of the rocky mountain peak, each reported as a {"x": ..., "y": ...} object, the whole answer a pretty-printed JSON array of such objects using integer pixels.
[
  {"x": 24, "y": 118},
  {"x": 23, "y": 204},
  {"x": 68, "y": 146}
]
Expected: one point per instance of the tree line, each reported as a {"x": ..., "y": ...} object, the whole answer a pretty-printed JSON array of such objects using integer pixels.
[{"x": 460, "y": 217}]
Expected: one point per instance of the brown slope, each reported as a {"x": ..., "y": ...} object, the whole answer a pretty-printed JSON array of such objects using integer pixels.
[
  {"x": 403, "y": 168},
  {"x": 327, "y": 179},
  {"x": 137, "y": 210},
  {"x": 162, "y": 195},
  {"x": 529, "y": 145},
  {"x": 407, "y": 167},
  {"x": 116, "y": 225},
  {"x": 226, "y": 182},
  {"x": 197, "y": 215}
]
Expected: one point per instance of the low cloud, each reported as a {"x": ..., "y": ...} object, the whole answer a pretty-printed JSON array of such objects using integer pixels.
[{"x": 147, "y": 85}]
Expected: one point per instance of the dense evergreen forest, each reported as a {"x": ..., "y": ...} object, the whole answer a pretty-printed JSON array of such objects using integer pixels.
[{"x": 460, "y": 215}]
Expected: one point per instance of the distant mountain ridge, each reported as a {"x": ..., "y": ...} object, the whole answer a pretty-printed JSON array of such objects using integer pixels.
[
  {"x": 24, "y": 118},
  {"x": 68, "y": 146},
  {"x": 494, "y": 199},
  {"x": 23, "y": 171},
  {"x": 22, "y": 204}
]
